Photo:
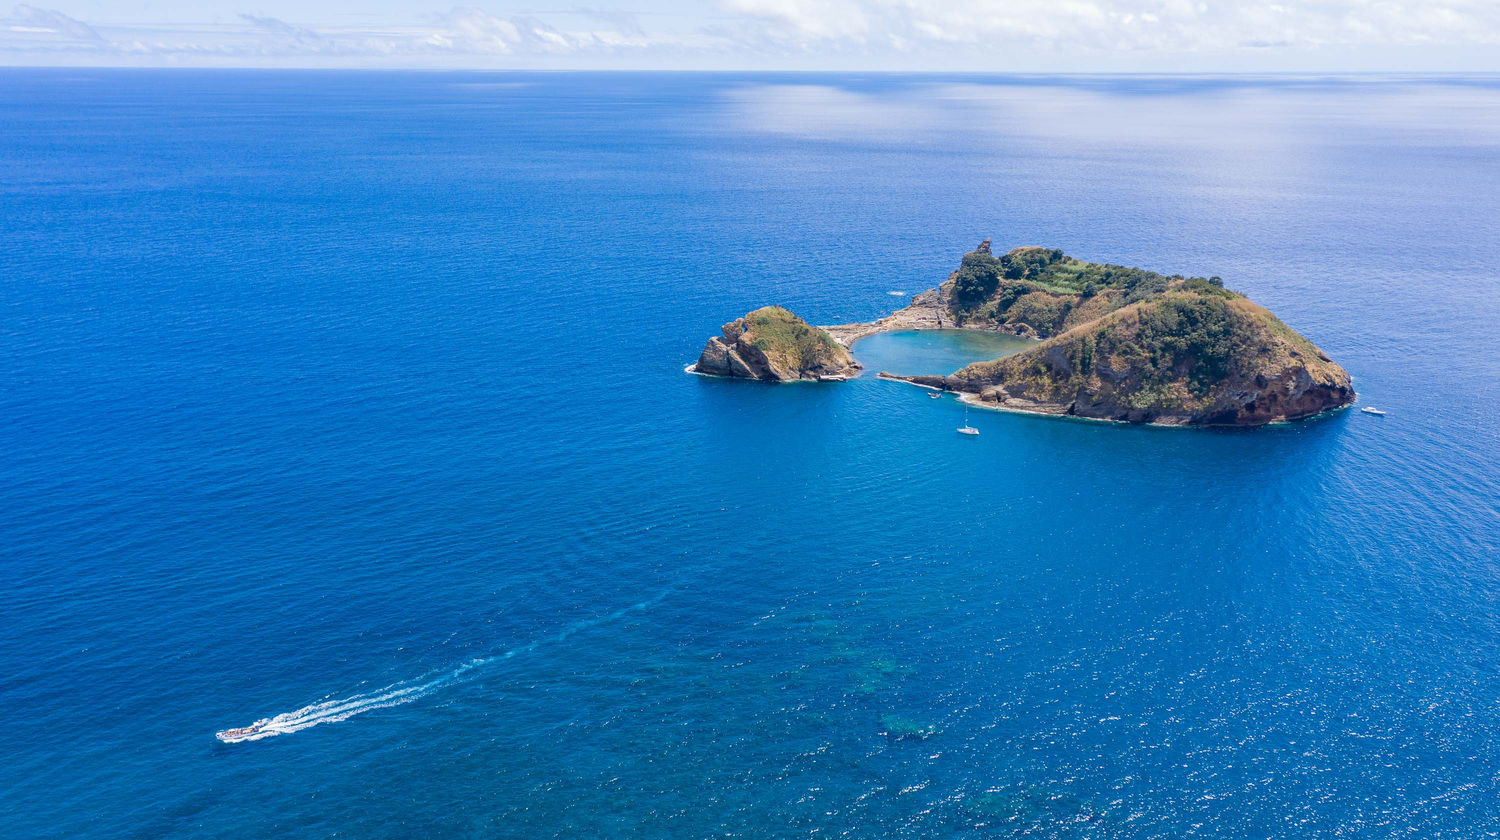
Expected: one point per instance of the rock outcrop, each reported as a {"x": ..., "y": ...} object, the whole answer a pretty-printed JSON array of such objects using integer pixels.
[
  {"x": 1131, "y": 345},
  {"x": 773, "y": 344}
]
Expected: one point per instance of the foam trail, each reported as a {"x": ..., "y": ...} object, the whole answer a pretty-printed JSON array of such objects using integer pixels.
[{"x": 406, "y": 691}]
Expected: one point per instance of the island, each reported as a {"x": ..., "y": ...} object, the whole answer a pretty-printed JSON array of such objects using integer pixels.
[
  {"x": 1113, "y": 343},
  {"x": 774, "y": 345}
]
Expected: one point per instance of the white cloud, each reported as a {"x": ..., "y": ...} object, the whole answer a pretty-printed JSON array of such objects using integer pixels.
[
  {"x": 36, "y": 21},
  {"x": 1121, "y": 25},
  {"x": 817, "y": 21},
  {"x": 276, "y": 26},
  {"x": 912, "y": 34},
  {"x": 626, "y": 23},
  {"x": 473, "y": 30},
  {"x": 461, "y": 31}
]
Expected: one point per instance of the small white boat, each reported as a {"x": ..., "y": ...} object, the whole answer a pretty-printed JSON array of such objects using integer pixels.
[
  {"x": 966, "y": 429},
  {"x": 1370, "y": 409},
  {"x": 935, "y": 395},
  {"x": 230, "y": 736}
]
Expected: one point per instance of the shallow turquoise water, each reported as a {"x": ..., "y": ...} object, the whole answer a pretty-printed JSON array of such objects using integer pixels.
[
  {"x": 367, "y": 390},
  {"x": 913, "y": 352}
]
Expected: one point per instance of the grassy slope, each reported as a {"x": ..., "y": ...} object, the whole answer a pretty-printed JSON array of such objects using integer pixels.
[
  {"x": 1051, "y": 292},
  {"x": 789, "y": 343},
  {"x": 1126, "y": 337}
]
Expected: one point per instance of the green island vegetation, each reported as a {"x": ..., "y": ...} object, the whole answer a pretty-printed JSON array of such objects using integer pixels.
[
  {"x": 777, "y": 332},
  {"x": 1130, "y": 344},
  {"x": 1044, "y": 288}
]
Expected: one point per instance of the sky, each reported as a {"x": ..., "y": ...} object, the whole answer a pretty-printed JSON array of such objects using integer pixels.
[{"x": 1195, "y": 36}]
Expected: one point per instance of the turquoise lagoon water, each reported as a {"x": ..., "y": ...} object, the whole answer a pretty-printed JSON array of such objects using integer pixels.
[
  {"x": 357, "y": 400},
  {"x": 912, "y": 352}
]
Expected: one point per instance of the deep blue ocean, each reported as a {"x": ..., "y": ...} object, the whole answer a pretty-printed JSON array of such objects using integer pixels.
[{"x": 358, "y": 399}]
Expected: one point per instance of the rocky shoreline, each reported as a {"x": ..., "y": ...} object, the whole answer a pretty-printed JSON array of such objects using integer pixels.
[
  {"x": 1113, "y": 343},
  {"x": 935, "y": 383},
  {"x": 927, "y": 311}
]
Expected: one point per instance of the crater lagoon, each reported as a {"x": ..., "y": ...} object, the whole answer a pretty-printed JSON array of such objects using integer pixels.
[{"x": 912, "y": 352}]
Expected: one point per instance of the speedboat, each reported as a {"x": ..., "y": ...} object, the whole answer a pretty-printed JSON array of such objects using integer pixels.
[
  {"x": 229, "y": 736},
  {"x": 1370, "y": 409},
  {"x": 935, "y": 395}
]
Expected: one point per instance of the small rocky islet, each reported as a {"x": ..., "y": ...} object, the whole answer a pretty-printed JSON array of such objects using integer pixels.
[
  {"x": 774, "y": 345},
  {"x": 1113, "y": 343}
]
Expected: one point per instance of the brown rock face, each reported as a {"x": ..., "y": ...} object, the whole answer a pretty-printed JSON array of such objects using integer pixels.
[
  {"x": 1292, "y": 395},
  {"x": 1237, "y": 366},
  {"x": 774, "y": 345}
]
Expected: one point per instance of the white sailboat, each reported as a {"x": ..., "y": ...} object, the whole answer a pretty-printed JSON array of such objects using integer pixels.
[{"x": 966, "y": 429}]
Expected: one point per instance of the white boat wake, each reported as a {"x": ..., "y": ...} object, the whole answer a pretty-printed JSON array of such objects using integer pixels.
[
  {"x": 333, "y": 711},
  {"x": 406, "y": 691}
]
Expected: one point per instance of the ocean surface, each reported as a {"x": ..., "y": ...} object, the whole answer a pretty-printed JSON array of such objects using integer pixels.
[{"x": 356, "y": 401}]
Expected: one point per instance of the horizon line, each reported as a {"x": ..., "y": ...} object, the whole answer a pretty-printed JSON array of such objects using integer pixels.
[{"x": 755, "y": 71}]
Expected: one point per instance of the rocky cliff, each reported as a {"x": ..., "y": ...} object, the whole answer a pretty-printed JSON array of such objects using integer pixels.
[
  {"x": 1127, "y": 344},
  {"x": 775, "y": 345}
]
